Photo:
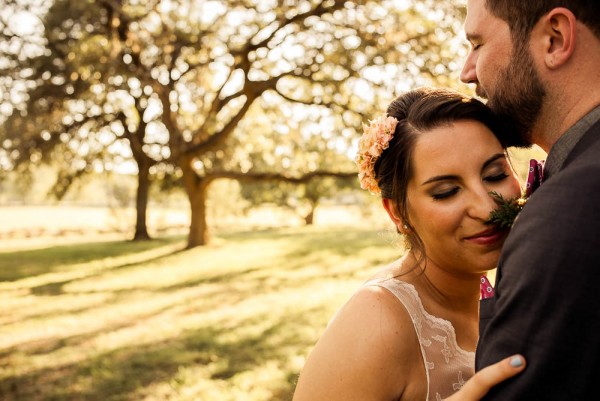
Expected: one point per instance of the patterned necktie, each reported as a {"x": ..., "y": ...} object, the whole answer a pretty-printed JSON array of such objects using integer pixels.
[{"x": 535, "y": 176}]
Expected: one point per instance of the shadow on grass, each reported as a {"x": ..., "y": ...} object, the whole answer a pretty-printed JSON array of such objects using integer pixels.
[
  {"x": 49, "y": 345},
  {"x": 340, "y": 241},
  {"x": 302, "y": 248},
  {"x": 221, "y": 356},
  {"x": 121, "y": 374},
  {"x": 54, "y": 288},
  {"x": 29, "y": 263}
]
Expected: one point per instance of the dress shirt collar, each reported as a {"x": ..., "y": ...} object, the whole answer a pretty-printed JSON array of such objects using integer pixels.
[{"x": 565, "y": 144}]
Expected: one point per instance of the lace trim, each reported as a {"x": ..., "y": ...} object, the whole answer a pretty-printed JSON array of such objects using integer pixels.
[
  {"x": 409, "y": 297},
  {"x": 439, "y": 322}
]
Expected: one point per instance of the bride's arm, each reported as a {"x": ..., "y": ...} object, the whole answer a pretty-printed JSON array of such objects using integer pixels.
[
  {"x": 478, "y": 386},
  {"x": 366, "y": 353}
]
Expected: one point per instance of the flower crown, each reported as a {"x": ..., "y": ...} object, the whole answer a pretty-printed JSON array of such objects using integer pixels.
[{"x": 375, "y": 139}]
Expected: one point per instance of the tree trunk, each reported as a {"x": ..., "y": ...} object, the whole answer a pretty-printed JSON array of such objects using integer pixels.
[
  {"x": 196, "y": 189},
  {"x": 309, "y": 218},
  {"x": 198, "y": 234},
  {"x": 141, "y": 203}
]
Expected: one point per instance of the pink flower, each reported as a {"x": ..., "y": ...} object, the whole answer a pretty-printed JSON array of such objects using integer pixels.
[{"x": 376, "y": 138}]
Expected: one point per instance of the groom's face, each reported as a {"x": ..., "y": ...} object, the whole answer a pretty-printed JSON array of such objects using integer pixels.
[{"x": 504, "y": 74}]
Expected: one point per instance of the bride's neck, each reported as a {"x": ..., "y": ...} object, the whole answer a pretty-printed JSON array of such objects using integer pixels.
[{"x": 450, "y": 289}]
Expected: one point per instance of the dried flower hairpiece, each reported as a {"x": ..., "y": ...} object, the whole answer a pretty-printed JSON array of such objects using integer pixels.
[{"x": 375, "y": 139}]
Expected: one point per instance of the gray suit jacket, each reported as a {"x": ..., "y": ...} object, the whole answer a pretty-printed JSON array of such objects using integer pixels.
[{"x": 548, "y": 281}]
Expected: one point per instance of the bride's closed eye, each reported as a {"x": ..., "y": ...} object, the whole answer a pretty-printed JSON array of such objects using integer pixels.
[
  {"x": 445, "y": 193},
  {"x": 496, "y": 177}
]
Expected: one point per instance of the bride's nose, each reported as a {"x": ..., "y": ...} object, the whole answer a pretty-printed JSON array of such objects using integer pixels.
[{"x": 481, "y": 204}]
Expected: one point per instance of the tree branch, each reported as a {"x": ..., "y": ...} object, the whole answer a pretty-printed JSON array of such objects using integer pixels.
[
  {"x": 319, "y": 10},
  {"x": 256, "y": 177}
]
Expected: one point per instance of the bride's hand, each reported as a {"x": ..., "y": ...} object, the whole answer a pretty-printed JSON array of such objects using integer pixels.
[{"x": 478, "y": 385}]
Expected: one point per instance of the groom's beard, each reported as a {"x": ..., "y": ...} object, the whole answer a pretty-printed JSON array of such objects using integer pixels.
[{"x": 517, "y": 98}]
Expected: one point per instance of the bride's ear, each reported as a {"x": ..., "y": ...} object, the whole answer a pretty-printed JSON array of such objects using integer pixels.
[{"x": 392, "y": 211}]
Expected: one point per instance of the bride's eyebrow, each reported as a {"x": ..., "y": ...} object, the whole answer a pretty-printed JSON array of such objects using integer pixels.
[
  {"x": 492, "y": 159},
  {"x": 440, "y": 178}
]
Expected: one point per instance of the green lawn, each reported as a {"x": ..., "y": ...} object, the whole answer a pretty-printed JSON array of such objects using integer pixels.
[{"x": 150, "y": 321}]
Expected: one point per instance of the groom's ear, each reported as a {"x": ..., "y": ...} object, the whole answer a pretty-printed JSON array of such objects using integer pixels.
[{"x": 556, "y": 33}]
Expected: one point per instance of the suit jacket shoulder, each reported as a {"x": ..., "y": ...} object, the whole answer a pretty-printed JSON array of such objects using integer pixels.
[{"x": 547, "y": 285}]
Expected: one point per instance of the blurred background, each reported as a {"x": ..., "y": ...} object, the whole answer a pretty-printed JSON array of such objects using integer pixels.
[{"x": 179, "y": 208}]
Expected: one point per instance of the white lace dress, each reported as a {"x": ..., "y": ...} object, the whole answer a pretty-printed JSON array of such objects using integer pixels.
[{"x": 448, "y": 366}]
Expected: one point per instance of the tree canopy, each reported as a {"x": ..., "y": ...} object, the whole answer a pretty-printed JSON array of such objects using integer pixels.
[{"x": 203, "y": 90}]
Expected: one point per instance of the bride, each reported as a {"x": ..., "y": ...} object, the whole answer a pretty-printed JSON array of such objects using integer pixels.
[{"x": 410, "y": 332}]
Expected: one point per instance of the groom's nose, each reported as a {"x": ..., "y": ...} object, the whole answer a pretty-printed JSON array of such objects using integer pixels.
[{"x": 468, "y": 74}]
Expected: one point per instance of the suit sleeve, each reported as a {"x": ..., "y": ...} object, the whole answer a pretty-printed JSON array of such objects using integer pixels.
[{"x": 547, "y": 287}]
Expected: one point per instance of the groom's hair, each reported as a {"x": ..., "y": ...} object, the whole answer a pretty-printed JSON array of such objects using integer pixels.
[{"x": 522, "y": 15}]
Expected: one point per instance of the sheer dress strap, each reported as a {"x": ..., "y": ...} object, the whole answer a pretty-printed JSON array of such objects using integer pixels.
[{"x": 448, "y": 366}]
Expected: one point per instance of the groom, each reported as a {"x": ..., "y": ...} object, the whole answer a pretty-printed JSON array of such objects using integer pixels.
[{"x": 538, "y": 63}]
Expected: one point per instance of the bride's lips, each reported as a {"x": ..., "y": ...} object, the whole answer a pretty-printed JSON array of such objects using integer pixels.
[{"x": 487, "y": 237}]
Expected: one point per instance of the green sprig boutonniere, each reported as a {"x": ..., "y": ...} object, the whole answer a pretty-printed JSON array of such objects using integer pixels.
[{"x": 505, "y": 215}]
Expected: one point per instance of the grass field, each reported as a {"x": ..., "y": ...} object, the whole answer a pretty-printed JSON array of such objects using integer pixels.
[{"x": 151, "y": 321}]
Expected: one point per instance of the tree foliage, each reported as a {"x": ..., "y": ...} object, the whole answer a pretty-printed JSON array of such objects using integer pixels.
[{"x": 180, "y": 86}]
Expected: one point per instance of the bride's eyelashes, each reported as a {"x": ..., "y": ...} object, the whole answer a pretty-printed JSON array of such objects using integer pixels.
[
  {"x": 496, "y": 177},
  {"x": 445, "y": 194}
]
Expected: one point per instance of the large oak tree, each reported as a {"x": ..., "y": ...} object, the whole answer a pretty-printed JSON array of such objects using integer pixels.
[{"x": 169, "y": 83}]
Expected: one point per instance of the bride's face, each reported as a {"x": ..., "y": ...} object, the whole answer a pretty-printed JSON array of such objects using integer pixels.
[{"x": 455, "y": 168}]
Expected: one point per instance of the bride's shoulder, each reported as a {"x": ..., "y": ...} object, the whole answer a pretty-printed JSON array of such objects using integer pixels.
[
  {"x": 374, "y": 318},
  {"x": 372, "y": 332}
]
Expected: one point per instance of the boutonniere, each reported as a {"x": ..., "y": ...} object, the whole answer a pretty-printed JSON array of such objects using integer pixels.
[{"x": 505, "y": 215}]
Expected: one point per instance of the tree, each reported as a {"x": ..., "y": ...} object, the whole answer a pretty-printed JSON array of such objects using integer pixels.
[
  {"x": 313, "y": 153},
  {"x": 85, "y": 111},
  {"x": 302, "y": 198},
  {"x": 170, "y": 82}
]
